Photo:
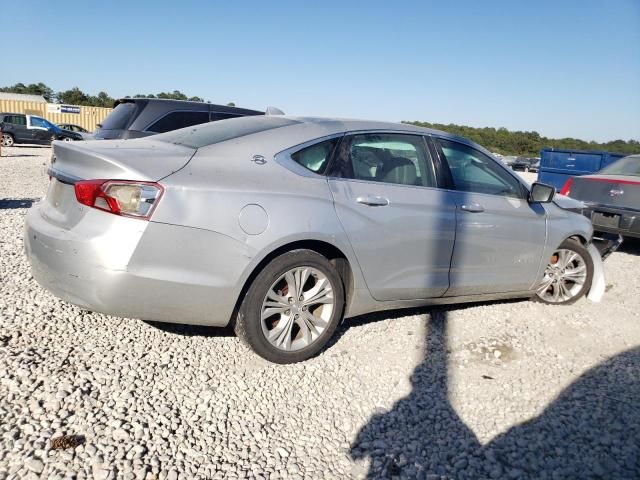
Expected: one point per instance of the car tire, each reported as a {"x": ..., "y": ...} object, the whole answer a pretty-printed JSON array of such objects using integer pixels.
[
  {"x": 568, "y": 275},
  {"x": 284, "y": 329},
  {"x": 7, "y": 140},
  {"x": 67, "y": 139}
]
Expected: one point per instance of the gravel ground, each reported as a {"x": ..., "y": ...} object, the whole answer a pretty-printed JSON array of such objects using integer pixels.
[{"x": 500, "y": 390}]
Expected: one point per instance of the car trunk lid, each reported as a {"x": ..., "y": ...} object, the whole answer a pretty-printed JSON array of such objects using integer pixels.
[
  {"x": 609, "y": 190},
  {"x": 137, "y": 160}
]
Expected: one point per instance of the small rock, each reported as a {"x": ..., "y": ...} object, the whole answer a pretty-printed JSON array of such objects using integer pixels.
[{"x": 34, "y": 465}]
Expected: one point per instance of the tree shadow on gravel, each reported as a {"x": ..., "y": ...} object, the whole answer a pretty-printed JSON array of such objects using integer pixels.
[
  {"x": 16, "y": 203},
  {"x": 591, "y": 430}
]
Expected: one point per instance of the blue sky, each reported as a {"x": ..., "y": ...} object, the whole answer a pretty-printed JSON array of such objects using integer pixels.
[{"x": 562, "y": 68}]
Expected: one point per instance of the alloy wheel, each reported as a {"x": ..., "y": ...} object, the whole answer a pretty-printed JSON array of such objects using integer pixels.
[
  {"x": 564, "y": 277},
  {"x": 7, "y": 140},
  {"x": 297, "y": 308}
]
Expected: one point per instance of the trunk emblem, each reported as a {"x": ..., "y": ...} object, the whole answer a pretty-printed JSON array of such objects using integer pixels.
[{"x": 614, "y": 192}]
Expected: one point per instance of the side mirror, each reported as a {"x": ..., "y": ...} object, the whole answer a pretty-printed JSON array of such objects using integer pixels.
[{"x": 541, "y": 193}]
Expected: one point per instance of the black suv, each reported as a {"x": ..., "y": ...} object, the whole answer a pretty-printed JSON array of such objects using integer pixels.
[
  {"x": 21, "y": 128},
  {"x": 140, "y": 117}
]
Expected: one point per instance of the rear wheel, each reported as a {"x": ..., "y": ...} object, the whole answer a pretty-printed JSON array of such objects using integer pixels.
[
  {"x": 292, "y": 308},
  {"x": 568, "y": 274},
  {"x": 7, "y": 140}
]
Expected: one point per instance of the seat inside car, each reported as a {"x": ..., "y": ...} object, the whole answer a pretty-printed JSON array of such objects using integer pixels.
[{"x": 398, "y": 170}]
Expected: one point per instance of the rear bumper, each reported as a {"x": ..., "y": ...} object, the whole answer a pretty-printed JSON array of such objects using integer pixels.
[
  {"x": 628, "y": 223},
  {"x": 131, "y": 268}
]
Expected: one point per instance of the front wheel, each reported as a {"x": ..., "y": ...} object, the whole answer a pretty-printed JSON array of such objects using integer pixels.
[
  {"x": 568, "y": 275},
  {"x": 292, "y": 308}
]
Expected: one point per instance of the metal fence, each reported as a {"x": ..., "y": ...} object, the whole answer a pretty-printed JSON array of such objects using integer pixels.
[{"x": 86, "y": 117}]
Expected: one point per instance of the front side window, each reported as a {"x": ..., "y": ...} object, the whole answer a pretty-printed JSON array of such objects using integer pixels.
[
  {"x": 473, "y": 171},
  {"x": 316, "y": 157},
  {"x": 177, "y": 120},
  {"x": 389, "y": 158},
  {"x": 38, "y": 122}
]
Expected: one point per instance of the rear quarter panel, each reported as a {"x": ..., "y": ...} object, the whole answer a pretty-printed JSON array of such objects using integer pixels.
[{"x": 212, "y": 191}]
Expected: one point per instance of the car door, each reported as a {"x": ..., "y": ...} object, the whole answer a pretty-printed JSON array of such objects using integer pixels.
[
  {"x": 39, "y": 129},
  {"x": 500, "y": 236},
  {"x": 400, "y": 224},
  {"x": 19, "y": 128}
]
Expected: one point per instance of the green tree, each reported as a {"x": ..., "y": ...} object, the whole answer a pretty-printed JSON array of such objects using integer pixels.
[
  {"x": 31, "y": 89},
  {"x": 528, "y": 144}
]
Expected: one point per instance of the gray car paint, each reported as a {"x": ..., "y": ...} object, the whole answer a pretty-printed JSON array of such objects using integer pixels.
[{"x": 190, "y": 263}]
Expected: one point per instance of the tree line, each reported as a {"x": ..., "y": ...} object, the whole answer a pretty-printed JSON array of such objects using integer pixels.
[
  {"x": 75, "y": 96},
  {"x": 528, "y": 144},
  {"x": 498, "y": 140}
]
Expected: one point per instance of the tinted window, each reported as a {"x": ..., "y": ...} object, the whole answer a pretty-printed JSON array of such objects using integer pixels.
[
  {"x": 120, "y": 117},
  {"x": 223, "y": 116},
  {"x": 16, "y": 119},
  {"x": 389, "y": 158},
  {"x": 215, "y": 132},
  {"x": 176, "y": 120},
  {"x": 316, "y": 157},
  {"x": 39, "y": 122},
  {"x": 473, "y": 171}
]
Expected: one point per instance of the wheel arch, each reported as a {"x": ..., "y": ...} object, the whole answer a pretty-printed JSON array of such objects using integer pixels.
[{"x": 330, "y": 251}]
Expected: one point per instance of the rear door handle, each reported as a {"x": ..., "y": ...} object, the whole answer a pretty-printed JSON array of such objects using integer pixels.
[
  {"x": 373, "y": 201},
  {"x": 472, "y": 208}
]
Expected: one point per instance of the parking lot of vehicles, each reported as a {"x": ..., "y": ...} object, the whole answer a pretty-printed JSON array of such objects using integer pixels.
[
  {"x": 613, "y": 195},
  {"x": 141, "y": 117},
  {"x": 384, "y": 216},
  {"x": 525, "y": 164},
  {"x": 19, "y": 128}
]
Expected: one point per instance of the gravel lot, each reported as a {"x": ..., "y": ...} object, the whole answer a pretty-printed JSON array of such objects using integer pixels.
[{"x": 501, "y": 390}]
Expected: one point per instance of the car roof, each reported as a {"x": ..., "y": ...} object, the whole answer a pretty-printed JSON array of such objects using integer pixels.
[
  {"x": 281, "y": 132},
  {"x": 340, "y": 125}
]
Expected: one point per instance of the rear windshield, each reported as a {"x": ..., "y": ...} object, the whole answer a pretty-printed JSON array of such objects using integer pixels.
[
  {"x": 119, "y": 118},
  {"x": 624, "y": 166},
  {"x": 220, "y": 131}
]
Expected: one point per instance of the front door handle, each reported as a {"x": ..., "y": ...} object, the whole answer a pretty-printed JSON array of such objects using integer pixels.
[
  {"x": 472, "y": 208},
  {"x": 373, "y": 201}
]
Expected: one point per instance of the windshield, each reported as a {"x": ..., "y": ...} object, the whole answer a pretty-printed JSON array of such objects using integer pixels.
[
  {"x": 624, "y": 166},
  {"x": 119, "y": 118},
  {"x": 222, "y": 130}
]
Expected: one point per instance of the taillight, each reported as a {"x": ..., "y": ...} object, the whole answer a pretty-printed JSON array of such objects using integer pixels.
[
  {"x": 120, "y": 197},
  {"x": 566, "y": 188}
]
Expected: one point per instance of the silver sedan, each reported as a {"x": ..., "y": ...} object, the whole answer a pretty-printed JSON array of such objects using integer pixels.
[{"x": 283, "y": 226}]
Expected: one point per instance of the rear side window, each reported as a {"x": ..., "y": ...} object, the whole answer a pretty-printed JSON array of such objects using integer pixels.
[
  {"x": 223, "y": 116},
  {"x": 316, "y": 157},
  {"x": 389, "y": 158},
  {"x": 120, "y": 117},
  {"x": 177, "y": 120},
  {"x": 16, "y": 119},
  {"x": 216, "y": 132}
]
